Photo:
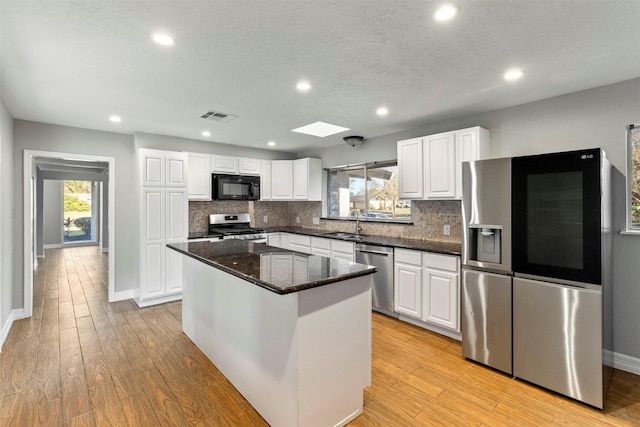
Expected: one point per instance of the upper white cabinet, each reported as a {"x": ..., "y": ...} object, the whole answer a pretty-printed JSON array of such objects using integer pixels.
[
  {"x": 248, "y": 166},
  {"x": 163, "y": 168},
  {"x": 199, "y": 173},
  {"x": 430, "y": 167},
  {"x": 265, "y": 180},
  {"x": 410, "y": 182},
  {"x": 282, "y": 180},
  {"x": 307, "y": 179},
  {"x": 224, "y": 164}
]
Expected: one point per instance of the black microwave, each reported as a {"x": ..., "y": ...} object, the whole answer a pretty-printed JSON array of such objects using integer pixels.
[{"x": 236, "y": 187}]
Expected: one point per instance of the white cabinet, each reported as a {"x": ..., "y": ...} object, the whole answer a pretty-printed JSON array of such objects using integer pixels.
[
  {"x": 224, "y": 164},
  {"x": 440, "y": 298},
  {"x": 439, "y": 166},
  {"x": 430, "y": 167},
  {"x": 282, "y": 180},
  {"x": 163, "y": 220},
  {"x": 342, "y": 249},
  {"x": 248, "y": 166},
  {"x": 265, "y": 180},
  {"x": 163, "y": 169},
  {"x": 407, "y": 275},
  {"x": 307, "y": 179},
  {"x": 273, "y": 239},
  {"x": 321, "y": 246},
  {"x": 300, "y": 243},
  {"x": 410, "y": 182},
  {"x": 199, "y": 173},
  {"x": 427, "y": 287}
]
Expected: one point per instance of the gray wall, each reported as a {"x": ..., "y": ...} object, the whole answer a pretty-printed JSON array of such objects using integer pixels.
[
  {"x": 8, "y": 283},
  {"x": 591, "y": 118},
  {"x": 52, "y": 208}
]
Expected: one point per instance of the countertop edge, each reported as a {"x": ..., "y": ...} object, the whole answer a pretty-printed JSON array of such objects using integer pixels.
[{"x": 271, "y": 287}]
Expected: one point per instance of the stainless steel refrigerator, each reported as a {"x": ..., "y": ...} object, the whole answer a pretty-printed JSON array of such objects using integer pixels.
[{"x": 537, "y": 256}]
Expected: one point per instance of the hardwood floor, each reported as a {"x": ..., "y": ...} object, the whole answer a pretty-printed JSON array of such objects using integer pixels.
[{"x": 81, "y": 361}]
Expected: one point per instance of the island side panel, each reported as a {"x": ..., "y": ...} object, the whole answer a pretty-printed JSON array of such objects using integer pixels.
[
  {"x": 249, "y": 334},
  {"x": 334, "y": 350}
]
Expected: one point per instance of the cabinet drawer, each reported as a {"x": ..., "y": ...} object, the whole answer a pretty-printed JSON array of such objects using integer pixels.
[
  {"x": 298, "y": 239},
  {"x": 441, "y": 262},
  {"x": 408, "y": 257},
  {"x": 320, "y": 243},
  {"x": 342, "y": 246}
]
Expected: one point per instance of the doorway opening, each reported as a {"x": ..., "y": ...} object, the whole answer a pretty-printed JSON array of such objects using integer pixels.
[{"x": 79, "y": 206}]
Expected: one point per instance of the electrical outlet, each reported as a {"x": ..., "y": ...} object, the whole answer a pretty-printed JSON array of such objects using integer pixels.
[
  {"x": 447, "y": 230},
  {"x": 316, "y": 221},
  {"x": 265, "y": 219},
  {"x": 297, "y": 220}
]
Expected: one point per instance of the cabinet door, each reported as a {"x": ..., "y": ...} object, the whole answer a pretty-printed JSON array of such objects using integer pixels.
[
  {"x": 199, "y": 177},
  {"x": 282, "y": 180},
  {"x": 410, "y": 180},
  {"x": 274, "y": 240},
  {"x": 153, "y": 165},
  {"x": 467, "y": 149},
  {"x": 177, "y": 215},
  {"x": 408, "y": 289},
  {"x": 265, "y": 180},
  {"x": 300, "y": 243},
  {"x": 440, "y": 298},
  {"x": 176, "y": 170},
  {"x": 321, "y": 252},
  {"x": 300, "y": 179},
  {"x": 153, "y": 246},
  {"x": 173, "y": 271},
  {"x": 224, "y": 164},
  {"x": 440, "y": 166},
  {"x": 248, "y": 166}
]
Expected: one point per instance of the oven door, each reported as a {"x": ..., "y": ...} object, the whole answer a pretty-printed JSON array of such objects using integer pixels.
[
  {"x": 557, "y": 216},
  {"x": 234, "y": 187}
]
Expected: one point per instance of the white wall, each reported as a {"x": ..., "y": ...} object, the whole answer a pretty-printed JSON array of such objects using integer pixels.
[
  {"x": 591, "y": 118},
  {"x": 52, "y": 208},
  {"x": 7, "y": 220}
]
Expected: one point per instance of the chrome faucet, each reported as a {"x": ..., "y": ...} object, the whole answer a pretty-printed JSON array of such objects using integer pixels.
[{"x": 358, "y": 228}]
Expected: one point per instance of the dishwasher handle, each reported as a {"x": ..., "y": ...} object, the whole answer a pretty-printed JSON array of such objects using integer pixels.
[{"x": 372, "y": 252}]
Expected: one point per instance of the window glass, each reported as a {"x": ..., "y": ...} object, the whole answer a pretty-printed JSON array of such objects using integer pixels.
[
  {"x": 634, "y": 175},
  {"x": 368, "y": 191}
]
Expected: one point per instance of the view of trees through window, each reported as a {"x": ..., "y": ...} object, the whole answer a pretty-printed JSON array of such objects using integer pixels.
[
  {"x": 368, "y": 191},
  {"x": 634, "y": 140},
  {"x": 77, "y": 211}
]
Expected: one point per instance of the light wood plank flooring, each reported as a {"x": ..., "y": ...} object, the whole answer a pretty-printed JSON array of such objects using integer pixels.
[{"x": 80, "y": 361}]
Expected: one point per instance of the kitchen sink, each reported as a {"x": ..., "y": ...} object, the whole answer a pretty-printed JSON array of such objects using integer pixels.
[{"x": 343, "y": 235}]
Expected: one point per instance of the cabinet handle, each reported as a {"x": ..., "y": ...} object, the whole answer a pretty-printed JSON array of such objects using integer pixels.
[{"x": 373, "y": 252}]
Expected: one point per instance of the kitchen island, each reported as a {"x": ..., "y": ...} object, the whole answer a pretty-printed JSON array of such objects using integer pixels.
[{"x": 291, "y": 331}]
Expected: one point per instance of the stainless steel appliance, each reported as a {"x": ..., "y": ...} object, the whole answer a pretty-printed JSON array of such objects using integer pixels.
[
  {"x": 486, "y": 263},
  {"x": 562, "y": 267},
  {"x": 552, "y": 212},
  {"x": 382, "y": 291},
  {"x": 236, "y": 226},
  {"x": 235, "y": 187}
]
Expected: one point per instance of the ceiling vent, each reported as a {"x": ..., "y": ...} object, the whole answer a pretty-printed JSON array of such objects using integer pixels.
[{"x": 217, "y": 116}]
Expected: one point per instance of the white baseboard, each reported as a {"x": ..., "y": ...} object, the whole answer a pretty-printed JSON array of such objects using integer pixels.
[
  {"x": 105, "y": 250},
  {"x": 433, "y": 328},
  {"x": 53, "y": 246},
  {"x": 4, "y": 332},
  {"x": 622, "y": 362},
  {"x": 123, "y": 295}
]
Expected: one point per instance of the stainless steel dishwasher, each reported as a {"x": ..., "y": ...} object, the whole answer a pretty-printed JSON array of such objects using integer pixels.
[{"x": 382, "y": 292}]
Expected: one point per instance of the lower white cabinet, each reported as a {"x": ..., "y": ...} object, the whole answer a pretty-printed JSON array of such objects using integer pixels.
[
  {"x": 427, "y": 287},
  {"x": 300, "y": 243},
  {"x": 330, "y": 248}
]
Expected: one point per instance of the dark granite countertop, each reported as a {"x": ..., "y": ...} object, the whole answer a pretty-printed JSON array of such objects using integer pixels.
[
  {"x": 263, "y": 265},
  {"x": 395, "y": 242}
]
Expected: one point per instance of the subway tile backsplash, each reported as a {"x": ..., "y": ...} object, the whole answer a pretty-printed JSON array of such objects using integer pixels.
[{"x": 428, "y": 216}]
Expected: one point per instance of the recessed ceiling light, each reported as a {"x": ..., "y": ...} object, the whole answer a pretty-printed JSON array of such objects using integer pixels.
[
  {"x": 303, "y": 86},
  {"x": 206, "y": 133},
  {"x": 513, "y": 74},
  {"x": 115, "y": 119},
  {"x": 320, "y": 129},
  {"x": 382, "y": 111},
  {"x": 163, "y": 39},
  {"x": 445, "y": 12},
  {"x": 271, "y": 143}
]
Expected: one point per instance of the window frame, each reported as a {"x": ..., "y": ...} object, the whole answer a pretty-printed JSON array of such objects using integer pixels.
[
  {"x": 365, "y": 167},
  {"x": 630, "y": 130}
]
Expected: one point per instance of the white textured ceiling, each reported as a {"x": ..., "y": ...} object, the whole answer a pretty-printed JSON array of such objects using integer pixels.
[{"x": 77, "y": 62}]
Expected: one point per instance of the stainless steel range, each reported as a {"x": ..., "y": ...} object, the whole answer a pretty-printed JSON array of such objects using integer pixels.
[{"x": 235, "y": 226}]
